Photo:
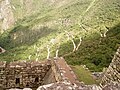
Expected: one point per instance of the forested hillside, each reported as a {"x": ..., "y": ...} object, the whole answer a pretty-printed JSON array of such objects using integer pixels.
[{"x": 83, "y": 31}]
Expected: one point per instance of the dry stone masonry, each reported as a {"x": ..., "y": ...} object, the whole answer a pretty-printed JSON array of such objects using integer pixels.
[
  {"x": 23, "y": 74},
  {"x": 113, "y": 72},
  {"x": 68, "y": 80},
  {"x": 64, "y": 71}
]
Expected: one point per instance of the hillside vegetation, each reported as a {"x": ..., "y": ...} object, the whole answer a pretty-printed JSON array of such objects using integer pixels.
[{"x": 39, "y": 21}]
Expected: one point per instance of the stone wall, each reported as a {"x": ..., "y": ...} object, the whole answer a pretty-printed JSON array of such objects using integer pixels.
[
  {"x": 54, "y": 74},
  {"x": 66, "y": 80},
  {"x": 112, "y": 74},
  {"x": 64, "y": 72},
  {"x": 23, "y": 74},
  {"x": 69, "y": 86},
  {"x": 60, "y": 72}
]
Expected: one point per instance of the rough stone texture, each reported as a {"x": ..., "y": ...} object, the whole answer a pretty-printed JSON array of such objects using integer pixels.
[
  {"x": 49, "y": 77},
  {"x": 54, "y": 74},
  {"x": 69, "y": 86},
  {"x": 23, "y": 74},
  {"x": 112, "y": 86},
  {"x": 68, "y": 80},
  {"x": 21, "y": 89},
  {"x": 6, "y": 14},
  {"x": 112, "y": 74},
  {"x": 64, "y": 71}
]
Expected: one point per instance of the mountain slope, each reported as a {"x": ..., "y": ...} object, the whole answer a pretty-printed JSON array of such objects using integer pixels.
[{"x": 37, "y": 22}]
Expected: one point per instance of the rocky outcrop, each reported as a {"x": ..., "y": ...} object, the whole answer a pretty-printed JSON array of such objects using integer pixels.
[
  {"x": 112, "y": 74},
  {"x": 6, "y": 15}
]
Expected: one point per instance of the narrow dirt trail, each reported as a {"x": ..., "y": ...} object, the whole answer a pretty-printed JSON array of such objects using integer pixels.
[{"x": 91, "y": 4}]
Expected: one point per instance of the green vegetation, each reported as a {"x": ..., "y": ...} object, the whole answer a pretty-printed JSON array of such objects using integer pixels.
[
  {"x": 38, "y": 21},
  {"x": 98, "y": 52},
  {"x": 83, "y": 75}
]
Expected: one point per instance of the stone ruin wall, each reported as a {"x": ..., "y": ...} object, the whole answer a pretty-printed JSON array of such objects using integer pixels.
[
  {"x": 54, "y": 74},
  {"x": 110, "y": 80},
  {"x": 66, "y": 79},
  {"x": 24, "y": 74},
  {"x": 33, "y": 74},
  {"x": 60, "y": 72},
  {"x": 112, "y": 74}
]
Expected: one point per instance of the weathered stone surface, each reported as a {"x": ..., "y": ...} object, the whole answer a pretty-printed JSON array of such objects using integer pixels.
[
  {"x": 21, "y": 89},
  {"x": 112, "y": 86},
  {"x": 64, "y": 71},
  {"x": 23, "y": 74},
  {"x": 67, "y": 82},
  {"x": 54, "y": 75},
  {"x": 112, "y": 74},
  {"x": 69, "y": 86}
]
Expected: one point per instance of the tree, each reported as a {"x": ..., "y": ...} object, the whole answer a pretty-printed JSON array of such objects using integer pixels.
[
  {"x": 79, "y": 43},
  {"x": 29, "y": 57},
  {"x": 57, "y": 51},
  {"x": 48, "y": 50},
  {"x": 37, "y": 53},
  {"x": 103, "y": 31},
  {"x": 56, "y": 45},
  {"x": 71, "y": 37}
]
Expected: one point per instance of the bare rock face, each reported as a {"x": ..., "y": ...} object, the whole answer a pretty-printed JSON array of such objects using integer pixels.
[
  {"x": 6, "y": 15},
  {"x": 112, "y": 74}
]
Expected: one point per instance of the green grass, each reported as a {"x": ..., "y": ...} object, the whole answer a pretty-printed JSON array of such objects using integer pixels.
[{"x": 83, "y": 75}]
